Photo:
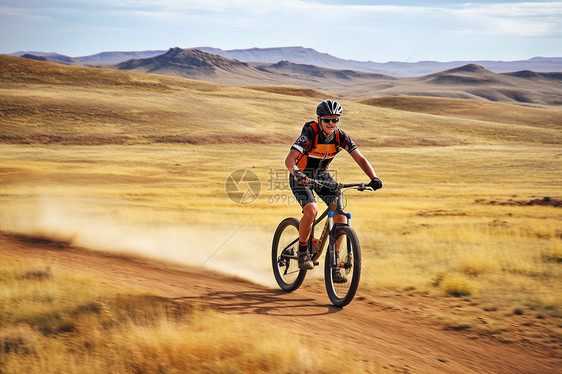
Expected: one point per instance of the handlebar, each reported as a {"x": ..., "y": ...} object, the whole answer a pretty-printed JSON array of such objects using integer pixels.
[{"x": 338, "y": 186}]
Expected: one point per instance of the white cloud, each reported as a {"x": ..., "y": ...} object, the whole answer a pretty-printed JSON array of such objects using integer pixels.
[
  {"x": 523, "y": 28},
  {"x": 513, "y": 19},
  {"x": 20, "y": 13},
  {"x": 515, "y": 9}
]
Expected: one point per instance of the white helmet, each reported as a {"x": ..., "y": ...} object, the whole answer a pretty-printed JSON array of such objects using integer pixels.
[{"x": 329, "y": 107}]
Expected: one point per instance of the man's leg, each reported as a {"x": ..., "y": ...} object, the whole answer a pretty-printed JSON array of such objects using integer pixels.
[
  {"x": 305, "y": 227},
  {"x": 309, "y": 215}
]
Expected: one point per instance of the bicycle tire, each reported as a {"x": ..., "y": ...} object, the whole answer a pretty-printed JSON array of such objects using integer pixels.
[
  {"x": 341, "y": 294},
  {"x": 286, "y": 270}
]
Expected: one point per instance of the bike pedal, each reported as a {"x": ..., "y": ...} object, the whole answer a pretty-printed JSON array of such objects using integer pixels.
[{"x": 316, "y": 263}]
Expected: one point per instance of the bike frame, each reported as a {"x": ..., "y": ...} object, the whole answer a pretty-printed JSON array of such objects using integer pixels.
[{"x": 329, "y": 228}]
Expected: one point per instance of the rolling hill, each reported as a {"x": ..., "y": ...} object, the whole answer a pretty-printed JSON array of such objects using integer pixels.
[
  {"x": 121, "y": 107},
  {"x": 469, "y": 81},
  {"x": 472, "y": 109},
  {"x": 475, "y": 82}
]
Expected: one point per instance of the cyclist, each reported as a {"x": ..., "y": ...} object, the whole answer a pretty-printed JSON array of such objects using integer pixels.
[{"x": 310, "y": 157}]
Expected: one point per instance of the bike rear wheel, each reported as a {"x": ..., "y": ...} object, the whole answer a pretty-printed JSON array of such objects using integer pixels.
[
  {"x": 348, "y": 262},
  {"x": 284, "y": 255}
]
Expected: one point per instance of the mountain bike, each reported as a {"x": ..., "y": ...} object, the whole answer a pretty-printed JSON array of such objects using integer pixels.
[{"x": 343, "y": 253}]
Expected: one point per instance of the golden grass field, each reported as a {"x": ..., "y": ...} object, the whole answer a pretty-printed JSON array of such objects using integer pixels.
[
  {"x": 55, "y": 322},
  {"x": 126, "y": 161}
]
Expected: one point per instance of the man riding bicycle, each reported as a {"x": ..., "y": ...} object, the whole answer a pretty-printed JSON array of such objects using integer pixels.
[{"x": 310, "y": 157}]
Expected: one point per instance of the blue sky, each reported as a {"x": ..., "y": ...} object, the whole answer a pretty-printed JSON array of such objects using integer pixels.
[{"x": 362, "y": 30}]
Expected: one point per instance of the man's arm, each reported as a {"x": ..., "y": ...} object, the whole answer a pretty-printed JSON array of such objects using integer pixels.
[
  {"x": 363, "y": 163},
  {"x": 291, "y": 160}
]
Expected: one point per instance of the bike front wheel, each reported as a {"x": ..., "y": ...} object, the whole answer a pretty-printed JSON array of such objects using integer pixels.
[
  {"x": 284, "y": 255},
  {"x": 342, "y": 273}
]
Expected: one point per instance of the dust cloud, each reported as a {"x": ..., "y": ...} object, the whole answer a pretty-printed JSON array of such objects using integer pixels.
[{"x": 237, "y": 249}]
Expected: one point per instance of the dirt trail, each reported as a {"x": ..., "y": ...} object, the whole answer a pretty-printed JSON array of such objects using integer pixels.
[{"x": 395, "y": 339}]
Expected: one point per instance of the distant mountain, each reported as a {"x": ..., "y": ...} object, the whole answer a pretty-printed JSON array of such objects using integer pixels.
[
  {"x": 310, "y": 56},
  {"x": 117, "y": 57},
  {"x": 188, "y": 63},
  {"x": 196, "y": 64},
  {"x": 534, "y": 75},
  {"x": 306, "y": 56},
  {"x": 48, "y": 56},
  {"x": 35, "y": 57},
  {"x": 52, "y": 55},
  {"x": 316, "y": 72},
  {"x": 298, "y": 55}
]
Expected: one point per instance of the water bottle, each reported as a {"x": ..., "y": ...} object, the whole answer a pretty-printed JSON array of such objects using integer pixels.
[{"x": 315, "y": 246}]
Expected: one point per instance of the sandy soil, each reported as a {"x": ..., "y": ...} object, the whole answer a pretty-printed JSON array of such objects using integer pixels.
[{"x": 396, "y": 334}]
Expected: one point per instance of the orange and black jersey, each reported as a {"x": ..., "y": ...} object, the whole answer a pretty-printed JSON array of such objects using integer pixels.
[{"x": 317, "y": 151}]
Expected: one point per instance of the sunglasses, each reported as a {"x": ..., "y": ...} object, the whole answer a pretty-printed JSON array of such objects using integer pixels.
[{"x": 328, "y": 120}]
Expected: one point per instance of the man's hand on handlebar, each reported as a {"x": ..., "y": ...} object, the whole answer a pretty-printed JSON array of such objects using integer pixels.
[
  {"x": 375, "y": 184},
  {"x": 301, "y": 177}
]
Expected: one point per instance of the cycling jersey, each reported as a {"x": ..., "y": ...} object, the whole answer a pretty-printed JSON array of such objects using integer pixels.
[{"x": 317, "y": 151}]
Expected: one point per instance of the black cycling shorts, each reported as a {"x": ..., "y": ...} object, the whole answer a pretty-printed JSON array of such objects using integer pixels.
[{"x": 304, "y": 195}]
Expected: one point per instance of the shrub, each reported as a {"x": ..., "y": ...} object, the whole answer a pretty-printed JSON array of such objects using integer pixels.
[{"x": 458, "y": 286}]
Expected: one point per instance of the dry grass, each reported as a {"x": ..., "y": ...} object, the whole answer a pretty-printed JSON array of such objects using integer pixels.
[
  {"x": 52, "y": 322},
  {"x": 473, "y": 109},
  {"x": 452, "y": 218}
]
